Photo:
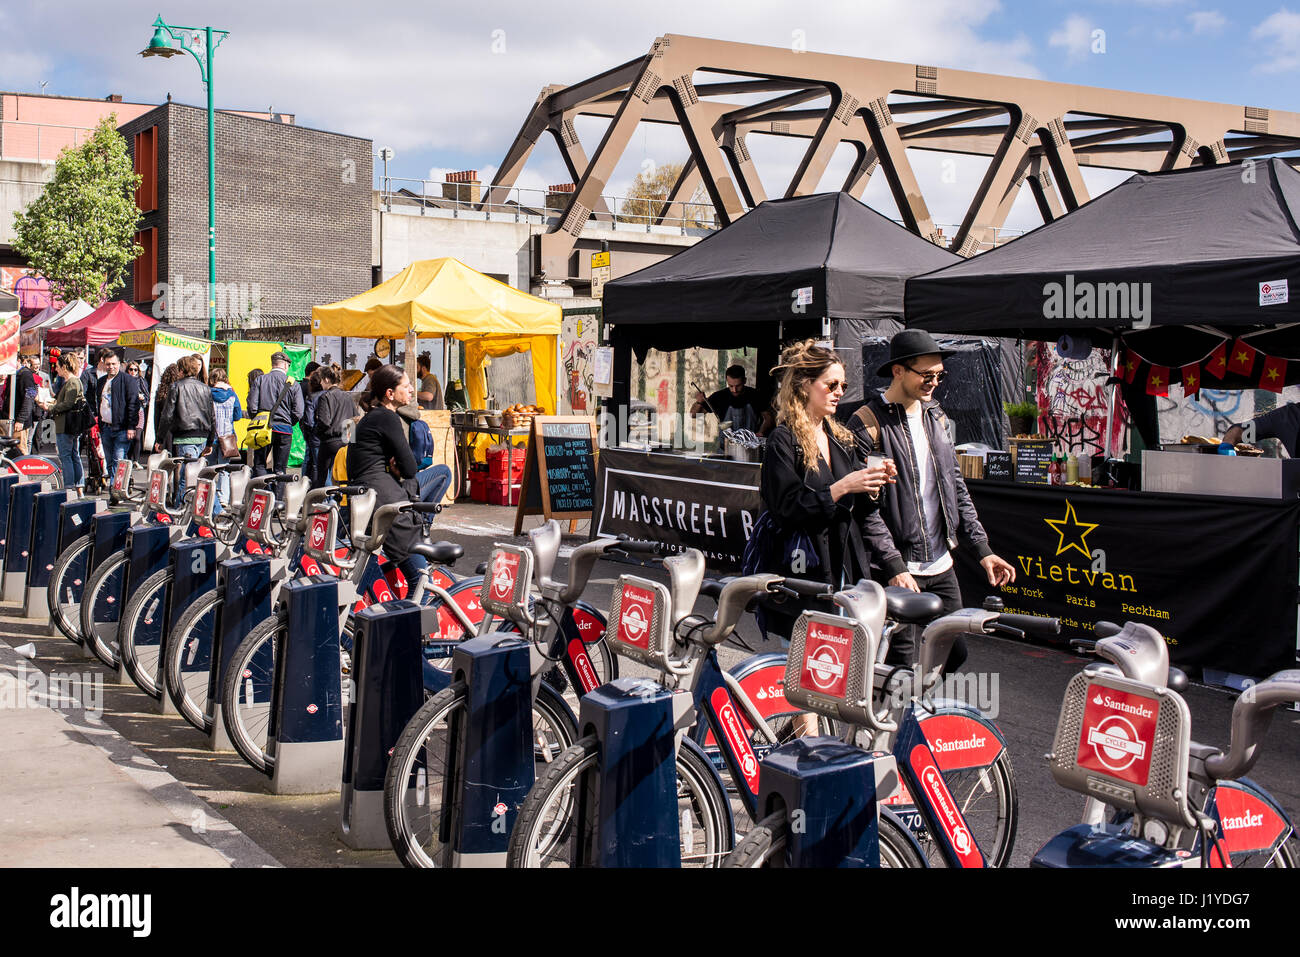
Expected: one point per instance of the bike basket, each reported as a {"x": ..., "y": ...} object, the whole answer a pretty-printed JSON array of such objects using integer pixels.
[
  {"x": 1125, "y": 743},
  {"x": 830, "y": 667},
  {"x": 121, "y": 479},
  {"x": 640, "y": 622},
  {"x": 205, "y": 497},
  {"x": 257, "y": 519},
  {"x": 322, "y": 535},
  {"x": 505, "y": 586},
  {"x": 158, "y": 489}
]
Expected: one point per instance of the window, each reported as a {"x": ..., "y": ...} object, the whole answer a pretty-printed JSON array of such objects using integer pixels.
[
  {"x": 146, "y": 165},
  {"x": 145, "y": 270}
]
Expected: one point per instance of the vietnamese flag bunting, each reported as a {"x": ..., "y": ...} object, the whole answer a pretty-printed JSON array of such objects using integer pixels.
[
  {"x": 1273, "y": 375},
  {"x": 1191, "y": 379},
  {"x": 1158, "y": 380},
  {"x": 1128, "y": 370},
  {"x": 1217, "y": 365},
  {"x": 1242, "y": 358}
]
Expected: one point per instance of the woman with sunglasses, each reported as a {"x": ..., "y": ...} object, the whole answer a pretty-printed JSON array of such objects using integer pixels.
[
  {"x": 815, "y": 487},
  {"x": 133, "y": 369}
]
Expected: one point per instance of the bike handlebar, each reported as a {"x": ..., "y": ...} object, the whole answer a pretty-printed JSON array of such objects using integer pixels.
[
  {"x": 263, "y": 480},
  {"x": 1031, "y": 624},
  {"x": 805, "y": 588},
  {"x": 637, "y": 547},
  {"x": 1251, "y": 716}
]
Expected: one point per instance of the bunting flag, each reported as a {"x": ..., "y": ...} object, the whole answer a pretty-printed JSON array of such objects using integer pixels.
[
  {"x": 1217, "y": 364},
  {"x": 1158, "y": 380},
  {"x": 1272, "y": 376},
  {"x": 1128, "y": 371},
  {"x": 1242, "y": 358},
  {"x": 1191, "y": 379}
]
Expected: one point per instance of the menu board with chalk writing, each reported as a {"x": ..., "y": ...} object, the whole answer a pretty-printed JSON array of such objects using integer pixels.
[
  {"x": 1032, "y": 460},
  {"x": 560, "y": 471}
]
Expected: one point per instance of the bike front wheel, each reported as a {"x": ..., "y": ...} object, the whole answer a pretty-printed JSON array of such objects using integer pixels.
[
  {"x": 188, "y": 659},
  {"x": 246, "y": 694},
  {"x": 140, "y": 633},
  {"x": 67, "y": 585},
  {"x": 765, "y": 845},
  {"x": 422, "y": 767},
  {"x": 547, "y": 834},
  {"x": 100, "y": 608}
]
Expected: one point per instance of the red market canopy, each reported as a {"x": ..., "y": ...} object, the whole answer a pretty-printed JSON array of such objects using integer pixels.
[{"x": 101, "y": 327}]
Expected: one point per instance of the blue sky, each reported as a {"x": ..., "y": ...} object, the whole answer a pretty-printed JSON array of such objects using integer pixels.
[{"x": 447, "y": 86}]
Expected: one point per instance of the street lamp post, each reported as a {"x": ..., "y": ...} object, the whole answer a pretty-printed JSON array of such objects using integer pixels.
[{"x": 164, "y": 44}]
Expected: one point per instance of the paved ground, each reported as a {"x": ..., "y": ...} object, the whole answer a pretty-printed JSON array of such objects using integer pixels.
[{"x": 141, "y": 788}]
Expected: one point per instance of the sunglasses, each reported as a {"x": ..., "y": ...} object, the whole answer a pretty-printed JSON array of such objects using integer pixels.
[
  {"x": 929, "y": 377},
  {"x": 836, "y": 386}
]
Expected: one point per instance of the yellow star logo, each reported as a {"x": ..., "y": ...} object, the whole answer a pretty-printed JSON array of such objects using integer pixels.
[
  {"x": 1242, "y": 357},
  {"x": 1156, "y": 381},
  {"x": 1075, "y": 529},
  {"x": 1130, "y": 365},
  {"x": 1272, "y": 372},
  {"x": 1189, "y": 381}
]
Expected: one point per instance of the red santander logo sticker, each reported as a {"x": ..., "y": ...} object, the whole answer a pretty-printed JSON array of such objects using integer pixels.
[
  {"x": 826, "y": 659},
  {"x": 256, "y": 511},
  {"x": 155, "y": 488},
  {"x": 319, "y": 525},
  {"x": 1249, "y": 824},
  {"x": 119, "y": 480},
  {"x": 505, "y": 570},
  {"x": 582, "y": 665},
  {"x": 734, "y": 732},
  {"x": 960, "y": 742},
  {"x": 1119, "y": 729},
  {"x": 945, "y": 807},
  {"x": 634, "y": 616},
  {"x": 201, "y": 497}
]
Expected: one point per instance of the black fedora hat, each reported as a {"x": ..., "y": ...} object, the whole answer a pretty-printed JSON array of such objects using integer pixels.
[{"x": 909, "y": 344}]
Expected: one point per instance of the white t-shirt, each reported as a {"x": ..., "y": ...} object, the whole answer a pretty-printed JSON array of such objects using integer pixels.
[{"x": 928, "y": 494}]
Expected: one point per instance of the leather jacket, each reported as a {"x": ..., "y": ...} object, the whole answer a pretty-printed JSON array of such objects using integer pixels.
[
  {"x": 187, "y": 412},
  {"x": 896, "y": 532}
]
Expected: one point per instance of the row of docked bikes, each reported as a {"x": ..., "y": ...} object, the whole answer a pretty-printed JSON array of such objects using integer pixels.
[{"x": 481, "y": 720}]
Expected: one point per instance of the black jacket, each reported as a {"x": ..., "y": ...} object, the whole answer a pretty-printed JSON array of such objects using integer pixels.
[
  {"x": 334, "y": 409},
  {"x": 187, "y": 412},
  {"x": 263, "y": 396},
  {"x": 799, "y": 499},
  {"x": 124, "y": 400},
  {"x": 895, "y": 533},
  {"x": 381, "y": 439}
]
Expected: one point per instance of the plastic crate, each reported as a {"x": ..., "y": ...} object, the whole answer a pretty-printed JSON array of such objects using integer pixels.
[
  {"x": 478, "y": 485},
  {"x": 502, "y": 493},
  {"x": 501, "y": 460}
]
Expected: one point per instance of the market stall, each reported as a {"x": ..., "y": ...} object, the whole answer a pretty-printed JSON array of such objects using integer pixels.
[
  {"x": 822, "y": 265},
  {"x": 164, "y": 346},
  {"x": 445, "y": 298},
  {"x": 1184, "y": 276},
  {"x": 100, "y": 327}
]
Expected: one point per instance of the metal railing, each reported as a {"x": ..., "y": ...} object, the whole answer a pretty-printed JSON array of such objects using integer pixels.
[
  {"x": 47, "y": 140},
  {"x": 439, "y": 198}
]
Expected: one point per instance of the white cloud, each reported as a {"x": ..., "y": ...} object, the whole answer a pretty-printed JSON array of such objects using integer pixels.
[
  {"x": 1074, "y": 36},
  {"x": 1280, "y": 34},
  {"x": 1206, "y": 21}
]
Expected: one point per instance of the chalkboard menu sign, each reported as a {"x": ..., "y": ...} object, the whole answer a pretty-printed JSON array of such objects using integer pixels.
[
  {"x": 560, "y": 471},
  {"x": 1032, "y": 459},
  {"x": 997, "y": 466}
]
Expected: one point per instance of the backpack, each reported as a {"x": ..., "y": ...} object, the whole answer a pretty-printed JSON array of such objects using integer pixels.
[{"x": 421, "y": 438}]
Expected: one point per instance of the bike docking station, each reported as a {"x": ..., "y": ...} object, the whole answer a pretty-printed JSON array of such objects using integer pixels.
[
  {"x": 305, "y": 733},
  {"x": 494, "y": 766},
  {"x": 245, "y": 584},
  {"x": 387, "y": 689},
  {"x": 8, "y": 481},
  {"x": 108, "y": 537},
  {"x": 146, "y": 550},
  {"x": 22, "y": 505},
  {"x": 75, "y": 517},
  {"x": 193, "y": 565},
  {"x": 829, "y": 788},
  {"x": 42, "y": 550}
]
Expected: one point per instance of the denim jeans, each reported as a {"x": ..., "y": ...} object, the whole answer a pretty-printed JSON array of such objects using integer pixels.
[
  {"x": 74, "y": 476},
  {"x": 116, "y": 444},
  {"x": 434, "y": 482},
  {"x": 186, "y": 451}
]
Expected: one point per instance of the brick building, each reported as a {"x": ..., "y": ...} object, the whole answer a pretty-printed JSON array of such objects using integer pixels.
[{"x": 293, "y": 219}]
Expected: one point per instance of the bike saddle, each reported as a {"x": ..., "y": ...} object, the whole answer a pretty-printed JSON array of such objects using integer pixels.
[
  {"x": 439, "y": 553},
  {"x": 912, "y": 608},
  {"x": 6, "y": 442}
]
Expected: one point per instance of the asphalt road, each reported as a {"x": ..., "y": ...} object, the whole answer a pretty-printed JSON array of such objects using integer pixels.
[{"x": 304, "y": 831}]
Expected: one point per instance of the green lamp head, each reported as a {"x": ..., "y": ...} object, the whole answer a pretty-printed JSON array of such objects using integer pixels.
[{"x": 162, "y": 43}]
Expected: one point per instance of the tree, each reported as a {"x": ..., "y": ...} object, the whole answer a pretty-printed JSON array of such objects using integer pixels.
[
  {"x": 651, "y": 187},
  {"x": 80, "y": 233}
]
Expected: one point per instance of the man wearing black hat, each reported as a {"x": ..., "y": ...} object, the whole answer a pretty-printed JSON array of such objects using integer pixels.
[
  {"x": 928, "y": 511},
  {"x": 273, "y": 393}
]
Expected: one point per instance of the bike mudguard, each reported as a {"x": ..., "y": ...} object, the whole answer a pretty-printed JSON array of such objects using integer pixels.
[
  {"x": 960, "y": 735},
  {"x": 33, "y": 466},
  {"x": 920, "y": 771},
  {"x": 762, "y": 677},
  {"x": 1248, "y": 817},
  {"x": 584, "y": 625}
]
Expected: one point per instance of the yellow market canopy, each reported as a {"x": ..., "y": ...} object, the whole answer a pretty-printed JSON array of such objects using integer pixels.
[
  {"x": 438, "y": 297},
  {"x": 444, "y": 297}
]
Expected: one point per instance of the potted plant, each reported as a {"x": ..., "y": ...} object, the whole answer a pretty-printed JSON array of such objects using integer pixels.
[{"x": 1023, "y": 417}]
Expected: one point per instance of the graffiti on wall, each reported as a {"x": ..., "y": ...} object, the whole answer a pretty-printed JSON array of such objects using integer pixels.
[
  {"x": 1213, "y": 411},
  {"x": 577, "y": 356},
  {"x": 1072, "y": 395}
]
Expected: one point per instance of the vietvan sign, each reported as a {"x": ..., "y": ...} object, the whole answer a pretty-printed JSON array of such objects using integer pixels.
[{"x": 1128, "y": 301}]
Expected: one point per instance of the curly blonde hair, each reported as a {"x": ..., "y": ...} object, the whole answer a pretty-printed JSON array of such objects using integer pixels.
[{"x": 803, "y": 363}]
